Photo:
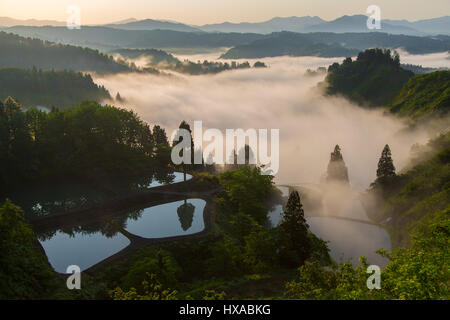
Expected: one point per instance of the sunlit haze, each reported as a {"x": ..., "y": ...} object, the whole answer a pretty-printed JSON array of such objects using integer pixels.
[{"x": 202, "y": 12}]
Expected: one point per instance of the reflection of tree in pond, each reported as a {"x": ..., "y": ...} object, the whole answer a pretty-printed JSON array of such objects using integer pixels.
[
  {"x": 186, "y": 215},
  {"x": 109, "y": 228},
  {"x": 55, "y": 197},
  {"x": 164, "y": 177},
  {"x": 133, "y": 215},
  {"x": 45, "y": 235}
]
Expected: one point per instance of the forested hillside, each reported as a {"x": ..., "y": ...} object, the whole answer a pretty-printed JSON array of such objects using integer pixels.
[
  {"x": 423, "y": 96},
  {"x": 26, "y": 53},
  {"x": 376, "y": 79},
  {"x": 49, "y": 88},
  {"x": 327, "y": 44},
  {"x": 416, "y": 197},
  {"x": 287, "y": 44},
  {"x": 373, "y": 79}
]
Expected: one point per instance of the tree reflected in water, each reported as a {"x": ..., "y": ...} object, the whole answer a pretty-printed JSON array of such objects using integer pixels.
[{"x": 186, "y": 215}]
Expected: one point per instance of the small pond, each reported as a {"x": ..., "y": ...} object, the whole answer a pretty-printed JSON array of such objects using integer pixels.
[
  {"x": 168, "y": 220},
  {"x": 81, "y": 249}
]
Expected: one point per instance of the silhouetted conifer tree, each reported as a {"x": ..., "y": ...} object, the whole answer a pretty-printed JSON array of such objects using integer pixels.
[
  {"x": 385, "y": 164},
  {"x": 295, "y": 227},
  {"x": 337, "y": 171}
]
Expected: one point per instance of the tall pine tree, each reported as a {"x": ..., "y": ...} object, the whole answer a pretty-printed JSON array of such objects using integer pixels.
[
  {"x": 184, "y": 125},
  {"x": 386, "y": 164},
  {"x": 337, "y": 170},
  {"x": 295, "y": 227}
]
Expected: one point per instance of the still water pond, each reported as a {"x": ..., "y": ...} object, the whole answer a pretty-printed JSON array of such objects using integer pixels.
[
  {"x": 89, "y": 244},
  {"x": 81, "y": 249},
  {"x": 168, "y": 220}
]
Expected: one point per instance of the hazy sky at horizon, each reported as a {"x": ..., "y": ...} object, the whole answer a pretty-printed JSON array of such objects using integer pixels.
[{"x": 210, "y": 11}]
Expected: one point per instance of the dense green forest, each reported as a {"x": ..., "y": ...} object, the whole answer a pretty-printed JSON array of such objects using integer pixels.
[
  {"x": 373, "y": 79},
  {"x": 26, "y": 53},
  {"x": 49, "y": 88},
  {"x": 82, "y": 141}
]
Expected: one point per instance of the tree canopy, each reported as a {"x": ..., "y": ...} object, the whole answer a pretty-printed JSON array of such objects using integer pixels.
[
  {"x": 84, "y": 140},
  {"x": 373, "y": 79}
]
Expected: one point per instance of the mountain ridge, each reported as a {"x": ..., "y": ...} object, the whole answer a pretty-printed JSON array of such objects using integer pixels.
[{"x": 302, "y": 24}]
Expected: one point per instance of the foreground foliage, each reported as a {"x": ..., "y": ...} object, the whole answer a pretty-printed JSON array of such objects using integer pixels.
[
  {"x": 24, "y": 270},
  {"x": 418, "y": 272}
]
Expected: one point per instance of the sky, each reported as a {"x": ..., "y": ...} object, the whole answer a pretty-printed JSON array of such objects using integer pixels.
[{"x": 210, "y": 11}]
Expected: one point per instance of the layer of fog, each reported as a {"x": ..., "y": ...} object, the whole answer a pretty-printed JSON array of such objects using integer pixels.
[
  {"x": 280, "y": 97},
  {"x": 433, "y": 60}
]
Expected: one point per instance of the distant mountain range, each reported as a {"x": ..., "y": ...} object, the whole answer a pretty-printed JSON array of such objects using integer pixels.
[
  {"x": 244, "y": 45},
  {"x": 354, "y": 23},
  {"x": 307, "y": 36},
  {"x": 358, "y": 23},
  {"x": 10, "y": 22},
  {"x": 294, "y": 24},
  {"x": 149, "y": 24}
]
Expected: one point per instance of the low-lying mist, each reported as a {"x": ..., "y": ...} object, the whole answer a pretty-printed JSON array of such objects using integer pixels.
[{"x": 281, "y": 97}]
